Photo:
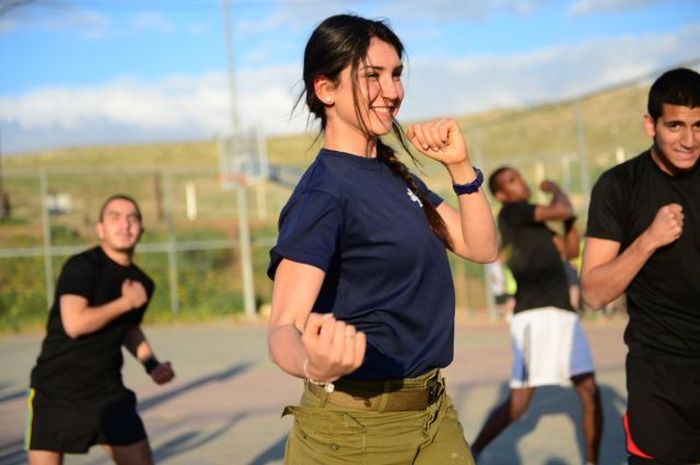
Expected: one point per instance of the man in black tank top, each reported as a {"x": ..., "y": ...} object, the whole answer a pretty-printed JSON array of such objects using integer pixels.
[
  {"x": 643, "y": 239},
  {"x": 549, "y": 347},
  {"x": 77, "y": 397}
]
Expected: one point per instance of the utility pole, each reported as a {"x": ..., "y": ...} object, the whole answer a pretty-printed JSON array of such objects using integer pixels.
[
  {"x": 582, "y": 153},
  {"x": 241, "y": 194},
  {"x": 4, "y": 198}
]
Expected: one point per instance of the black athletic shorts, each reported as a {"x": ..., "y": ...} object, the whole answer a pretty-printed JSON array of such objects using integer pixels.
[
  {"x": 66, "y": 426},
  {"x": 663, "y": 411}
]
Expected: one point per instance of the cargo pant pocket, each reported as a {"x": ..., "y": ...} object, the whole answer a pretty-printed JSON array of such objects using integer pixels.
[{"x": 324, "y": 437}]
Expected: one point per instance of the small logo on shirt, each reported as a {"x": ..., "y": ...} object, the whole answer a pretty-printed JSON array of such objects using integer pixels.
[{"x": 414, "y": 197}]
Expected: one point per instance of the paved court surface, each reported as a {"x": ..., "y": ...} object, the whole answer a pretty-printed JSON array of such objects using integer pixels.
[{"x": 224, "y": 406}]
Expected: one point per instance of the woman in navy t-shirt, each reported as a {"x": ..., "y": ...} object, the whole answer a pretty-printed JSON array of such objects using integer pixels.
[{"x": 363, "y": 300}]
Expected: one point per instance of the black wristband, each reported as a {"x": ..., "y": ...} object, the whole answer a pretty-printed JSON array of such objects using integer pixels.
[
  {"x": 150, "y": 364},
  {"x": 471, "y": 187},
  {"x": 569, "y": 223}
]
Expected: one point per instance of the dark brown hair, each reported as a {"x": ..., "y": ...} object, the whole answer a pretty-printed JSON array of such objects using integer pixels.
[
  {"x": 680, "y": 86},
  {"x": 341, "y": 41},
  {"x": 494, "y": 185},
  {"x": 119, "y": 197}
]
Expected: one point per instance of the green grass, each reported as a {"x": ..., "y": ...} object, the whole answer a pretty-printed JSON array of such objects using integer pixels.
[{"x": 537, "y": 140}]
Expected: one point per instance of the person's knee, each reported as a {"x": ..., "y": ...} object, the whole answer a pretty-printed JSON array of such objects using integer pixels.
[
  {"x": 135, "y": 454},
  {"x": 519, "y": 403}
]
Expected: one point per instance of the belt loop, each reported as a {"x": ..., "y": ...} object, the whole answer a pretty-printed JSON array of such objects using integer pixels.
[
  {"x": 322, "y": 394},
  {"x": 324, "y": 397},
  {"x": 383, "y": 401}
]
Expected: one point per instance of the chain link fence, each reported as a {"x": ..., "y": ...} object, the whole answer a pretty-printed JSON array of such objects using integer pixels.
[
  {"x": 190, "y": 245},
  {"x": 191, "y": 242}
]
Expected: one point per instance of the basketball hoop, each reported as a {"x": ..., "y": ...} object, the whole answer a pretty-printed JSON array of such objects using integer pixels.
[
  {"x": 229, "y": 181},
  {"x": 242, "y": 159}
]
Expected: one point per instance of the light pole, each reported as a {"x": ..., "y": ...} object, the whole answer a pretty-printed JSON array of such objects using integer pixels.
[
  {"x": 4, "y": 198},
  {"x": 241, "y": 194}
]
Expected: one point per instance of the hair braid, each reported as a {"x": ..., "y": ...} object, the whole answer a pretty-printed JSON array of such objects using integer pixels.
[
  {"x": 341, "y": 41},
  {"x": 388, "y": 156}
]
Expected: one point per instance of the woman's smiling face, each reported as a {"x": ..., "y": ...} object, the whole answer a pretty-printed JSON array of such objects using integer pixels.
[{"x": 370, "y": 106}]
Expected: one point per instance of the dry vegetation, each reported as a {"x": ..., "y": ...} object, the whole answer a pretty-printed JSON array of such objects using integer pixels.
[{"x": 537, "y": 140}]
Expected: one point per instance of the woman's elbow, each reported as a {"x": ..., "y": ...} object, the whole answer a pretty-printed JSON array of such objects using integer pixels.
[
  {"x": 489, "y": 253},
  {"x": 271, "y": 355},
  {"x": 72, "y": 331},
  {"x": 483, "y": 255},
  {"x": 487, "y": 258}
]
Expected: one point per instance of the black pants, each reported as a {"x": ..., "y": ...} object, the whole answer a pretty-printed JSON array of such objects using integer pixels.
[{"x": 663, "y": 410}]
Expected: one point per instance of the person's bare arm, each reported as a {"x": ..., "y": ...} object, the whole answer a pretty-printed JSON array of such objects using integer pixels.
[
  {"x": 79, "y": 318},
  {"x": 136, "y": 343},
  {"x": 559, "y": 207},
  {"x": 306, "y": 344},
  {"x": 472, "y": 229},
  {"x": 572, "y": 239},
  {"x": 605, "y": 274}
]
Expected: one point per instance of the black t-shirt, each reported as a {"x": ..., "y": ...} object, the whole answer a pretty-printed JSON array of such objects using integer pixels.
[
  {"x": 90, "y": 365},
  {"x": 663, "y": 299},
  {"x": 386, "y": 272},
  {"x": 533, "y": 259}
]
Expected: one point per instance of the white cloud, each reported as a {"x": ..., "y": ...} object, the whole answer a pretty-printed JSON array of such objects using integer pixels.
[
  {"x": 7, "y": 26},
  {"x": 86, "y": 22},
  {"x": 55, "y": 17},
  {"x": 452, "y": 10},
  {"x": 152, "y": 21},
  {"x": 301, "y": 15},
  {"x": 198, "y": 28},
  {"x": 481, "y": 82},
  {"x": 598, "y": 6},
  {"x": 198, "y": 106}
]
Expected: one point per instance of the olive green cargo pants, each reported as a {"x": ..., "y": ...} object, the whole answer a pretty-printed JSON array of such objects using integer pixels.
[{"x": 325, "y": 434}]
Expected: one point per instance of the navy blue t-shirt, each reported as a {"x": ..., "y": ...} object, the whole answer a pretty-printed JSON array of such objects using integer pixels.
[{"x": 386, "y": 271}]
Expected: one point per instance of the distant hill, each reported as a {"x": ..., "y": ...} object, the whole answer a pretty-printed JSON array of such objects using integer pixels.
[
  {"x": 611, "y": 119},
  {"x": 193, "y": 254}
]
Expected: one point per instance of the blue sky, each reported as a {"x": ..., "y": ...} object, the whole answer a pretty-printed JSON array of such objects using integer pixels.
[{"x": 118, "y": 71}]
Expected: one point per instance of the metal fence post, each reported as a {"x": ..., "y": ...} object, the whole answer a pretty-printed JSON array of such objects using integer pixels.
[
  {"x": 46, "y": 236},
  {"x": 172, "y": 246},
  {"x": 566, "y": 173},
  {"x": 479, "y": 159},
  {"x": 246, "y": 257},
  {"x": 582, "y": 153},
  {"x": 241, "y": 194}
]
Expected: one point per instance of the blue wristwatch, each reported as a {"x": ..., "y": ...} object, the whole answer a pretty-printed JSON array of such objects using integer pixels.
[{"x": 471, "y": 187}]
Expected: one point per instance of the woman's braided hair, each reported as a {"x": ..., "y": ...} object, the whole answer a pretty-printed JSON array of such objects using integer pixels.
[{"x": 344, "y": 40}]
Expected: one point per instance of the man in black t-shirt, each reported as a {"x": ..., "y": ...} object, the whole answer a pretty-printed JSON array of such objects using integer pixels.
[
  {"x": 77, "y": 397},
  {"x": 643, "y": 239},
  {"x": 549, "y": 346}
]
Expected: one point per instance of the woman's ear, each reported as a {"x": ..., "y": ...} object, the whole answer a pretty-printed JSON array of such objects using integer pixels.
[{"x": 324, "y": 89}]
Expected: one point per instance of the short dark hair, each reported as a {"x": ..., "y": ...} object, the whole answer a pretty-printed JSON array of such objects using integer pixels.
[
  {"x": 494, "y": 185},
  {"x": 680, "y": 86},
  {"x": 119, "y": 197}
]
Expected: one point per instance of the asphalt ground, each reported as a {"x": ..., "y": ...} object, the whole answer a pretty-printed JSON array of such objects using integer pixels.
[{"x": 224, "y": 406}]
